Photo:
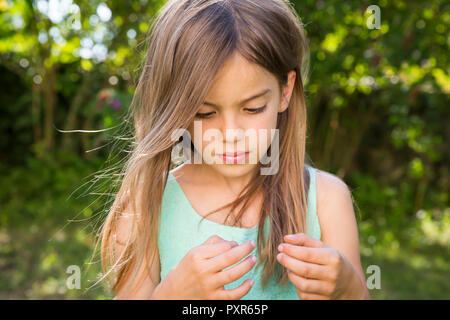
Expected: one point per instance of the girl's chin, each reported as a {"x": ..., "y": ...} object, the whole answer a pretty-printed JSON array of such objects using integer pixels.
[{"x": 234, "y": 170}]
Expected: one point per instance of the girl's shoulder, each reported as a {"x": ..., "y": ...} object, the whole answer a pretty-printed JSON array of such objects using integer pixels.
[
  {"x": 329, "y": 184},
  {"x": 334, "y": 204}
]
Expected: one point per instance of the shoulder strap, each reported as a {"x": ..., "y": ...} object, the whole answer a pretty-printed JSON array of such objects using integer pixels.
[{"x": 312, "y": 218}]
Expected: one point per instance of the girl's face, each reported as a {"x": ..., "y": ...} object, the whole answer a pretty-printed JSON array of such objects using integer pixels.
[{"x": 244, "y": 100}]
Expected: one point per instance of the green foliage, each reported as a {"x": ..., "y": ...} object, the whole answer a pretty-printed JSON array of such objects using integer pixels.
[{"x": 44, "y": 228}]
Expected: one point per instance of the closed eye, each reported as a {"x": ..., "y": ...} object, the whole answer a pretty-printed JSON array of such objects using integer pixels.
[
  {"x": 257, "y": 110},
  {"x": 253, "y": 111},
  {"x": 203, "y": 115}
]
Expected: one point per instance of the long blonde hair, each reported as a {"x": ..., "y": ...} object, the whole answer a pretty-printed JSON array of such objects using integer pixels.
[{"x": 188, "y": 41}]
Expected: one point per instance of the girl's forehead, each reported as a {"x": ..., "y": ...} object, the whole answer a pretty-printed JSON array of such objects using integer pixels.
[
  {"x": 254, "y": 95},
  {"x": 237, "y": 69},
  {"x": 238, "y": 81}
]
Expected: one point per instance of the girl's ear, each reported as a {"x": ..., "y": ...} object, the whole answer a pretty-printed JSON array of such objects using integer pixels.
[{"x": 287, "y": 91}]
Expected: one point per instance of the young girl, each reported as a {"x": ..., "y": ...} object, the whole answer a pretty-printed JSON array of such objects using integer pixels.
[{"x": 228, "y": 229}]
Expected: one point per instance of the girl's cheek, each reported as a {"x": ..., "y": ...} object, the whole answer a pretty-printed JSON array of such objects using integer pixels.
[{"x": 264, "y": 127}]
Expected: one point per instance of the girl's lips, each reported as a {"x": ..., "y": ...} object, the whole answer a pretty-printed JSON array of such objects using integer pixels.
[
  {"x": 233, "y": 154},
  {"x": 234, "y": 157}
]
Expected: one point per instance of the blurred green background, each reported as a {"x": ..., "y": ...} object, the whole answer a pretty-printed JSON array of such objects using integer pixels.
[{"x": 378, "y": 117}]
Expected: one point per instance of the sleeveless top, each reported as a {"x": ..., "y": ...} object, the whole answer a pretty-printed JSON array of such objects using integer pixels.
[{"x": 181, "y": 230}]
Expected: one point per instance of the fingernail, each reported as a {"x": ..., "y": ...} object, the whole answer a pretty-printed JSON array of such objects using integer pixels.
[
  {"x": 280, "y": 247},
  {"x": 252, "y": 282},
  {"x": 279, "y": 256},
  {"x": 252, "y": 243},
  {"x": 290, "y": 236},
  {"x": 234, "y": 244},
  {"x": 253, "y": 259}
]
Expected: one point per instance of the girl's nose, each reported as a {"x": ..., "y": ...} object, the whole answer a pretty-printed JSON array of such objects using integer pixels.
[{"x": 232, "y": 129}]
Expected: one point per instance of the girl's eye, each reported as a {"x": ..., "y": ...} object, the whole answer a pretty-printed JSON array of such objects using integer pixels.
[
  {"x": 203, "y": 115},
  {"x": 207, "y": 115},
  {"x": 257, "y": 110}
]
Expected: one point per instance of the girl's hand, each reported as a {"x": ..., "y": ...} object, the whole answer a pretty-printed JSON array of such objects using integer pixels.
[
  {"x": 200, "y": 274},
  {"x": 317, "y": 270}
]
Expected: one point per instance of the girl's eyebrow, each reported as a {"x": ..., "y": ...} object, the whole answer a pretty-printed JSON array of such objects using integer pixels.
[{"x": 242, "y": 102}]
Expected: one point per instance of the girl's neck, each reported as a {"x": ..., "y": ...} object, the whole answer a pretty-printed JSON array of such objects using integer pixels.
[{"x": 207, "y": 176}]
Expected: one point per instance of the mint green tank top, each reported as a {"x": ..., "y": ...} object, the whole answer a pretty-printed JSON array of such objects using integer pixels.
[{"x": 180, "y": 231}]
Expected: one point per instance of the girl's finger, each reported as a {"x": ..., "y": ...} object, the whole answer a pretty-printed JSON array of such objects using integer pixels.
[
  {"x": 302, "y": 239},
  {"x": 304, "y": 269},
  {"x": 235, "y": 272},
  {"x": 307, "y": 254},
  {"x": 312, "y": 296},
  {"x": 309, "y": 285},
  {"x": 236, "y": 293},
  {"x": 213, "y": 239},
  {"x": 212, "y": 250},
  {"x": 232, "y": 256}
]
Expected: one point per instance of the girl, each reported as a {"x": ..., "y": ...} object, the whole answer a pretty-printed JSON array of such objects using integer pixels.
[{"x": 219, "y": 65}]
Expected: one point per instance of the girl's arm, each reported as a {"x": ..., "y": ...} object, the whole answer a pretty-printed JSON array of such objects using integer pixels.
[
  {"x": 329, "y": 268},
  {"x": 338, "y": 225},
  {"x": 142, "y": 286}
]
